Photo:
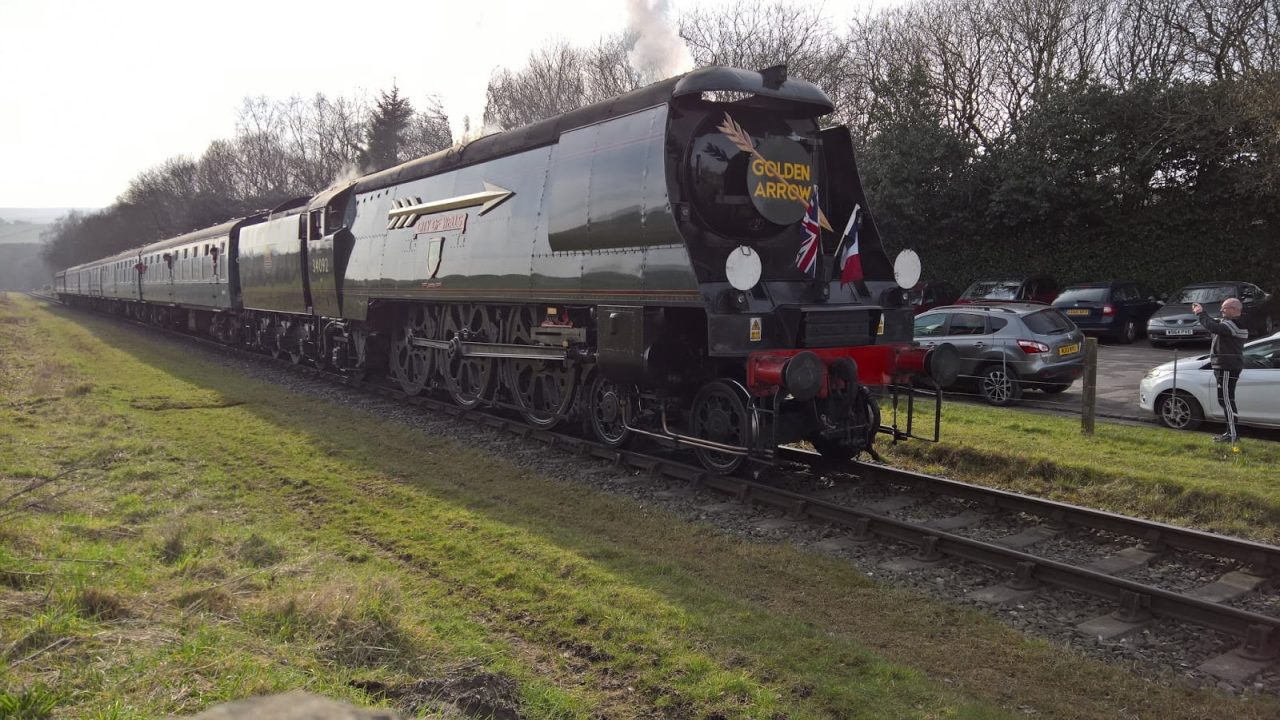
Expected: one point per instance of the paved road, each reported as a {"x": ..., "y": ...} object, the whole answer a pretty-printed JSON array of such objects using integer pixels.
[{"x": 1120, "y": 369}]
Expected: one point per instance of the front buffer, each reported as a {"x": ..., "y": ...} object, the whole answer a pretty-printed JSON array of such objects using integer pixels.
[{"x": 824, "y": 395}]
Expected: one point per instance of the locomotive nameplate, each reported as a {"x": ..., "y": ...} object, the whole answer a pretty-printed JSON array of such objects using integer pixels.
[{"x": 441, "y": 223}]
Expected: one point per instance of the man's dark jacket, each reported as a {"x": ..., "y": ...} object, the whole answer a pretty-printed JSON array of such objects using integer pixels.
[{"x": 1227, "y": 352}]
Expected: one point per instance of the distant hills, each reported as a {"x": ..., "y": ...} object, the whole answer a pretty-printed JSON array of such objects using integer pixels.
[
  {"x": 38, "y": 216},
  {"x": 20, "y": 265},
  {"x": 18, "y": 233}
]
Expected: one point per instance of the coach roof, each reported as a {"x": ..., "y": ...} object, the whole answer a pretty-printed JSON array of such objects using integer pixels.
[
  {"x": 804, "y": 97},
  {"x": 198, "y": 235}
]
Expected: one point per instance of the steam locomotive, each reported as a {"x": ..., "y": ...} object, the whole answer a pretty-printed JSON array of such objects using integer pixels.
[{"x": 635, "y": 265}]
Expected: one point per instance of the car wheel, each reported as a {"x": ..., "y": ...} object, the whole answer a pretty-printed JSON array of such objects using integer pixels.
[
  {"x": 1055, "y": 388},
  {"x": 1128, "y": 333},
  {"x": 1179, "y": 411},
  {"x": 1000, "y": 385}
]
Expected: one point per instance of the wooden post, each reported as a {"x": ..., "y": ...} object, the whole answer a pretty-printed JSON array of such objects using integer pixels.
[{"x": 1089, "y": 398}]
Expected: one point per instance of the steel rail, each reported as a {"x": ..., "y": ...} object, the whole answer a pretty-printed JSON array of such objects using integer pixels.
[{"x": 1261, "y": 559}]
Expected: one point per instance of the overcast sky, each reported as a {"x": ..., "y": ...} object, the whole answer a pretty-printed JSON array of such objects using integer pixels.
[{"x": 95, "y": 92}]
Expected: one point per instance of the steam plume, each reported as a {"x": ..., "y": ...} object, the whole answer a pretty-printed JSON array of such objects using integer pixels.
[{"x": 659, "y": 51}]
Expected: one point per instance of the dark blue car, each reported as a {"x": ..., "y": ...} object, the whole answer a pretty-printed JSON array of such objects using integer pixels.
[{"x": 1117, "y": 308}]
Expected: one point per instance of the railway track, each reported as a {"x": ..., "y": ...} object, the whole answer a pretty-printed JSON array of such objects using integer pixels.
[{"x": 938, "y": 519}]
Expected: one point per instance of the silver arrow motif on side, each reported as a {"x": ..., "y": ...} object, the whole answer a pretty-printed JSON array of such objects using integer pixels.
[{"x": 408, "y": 210}]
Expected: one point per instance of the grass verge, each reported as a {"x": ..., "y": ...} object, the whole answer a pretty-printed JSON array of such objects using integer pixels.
[
  {"x": 188, "y": 535},
  {"x": 1152, "y": 472}
]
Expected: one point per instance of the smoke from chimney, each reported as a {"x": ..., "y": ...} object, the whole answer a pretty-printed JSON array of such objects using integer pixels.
[{"x": 659, "y": 51}]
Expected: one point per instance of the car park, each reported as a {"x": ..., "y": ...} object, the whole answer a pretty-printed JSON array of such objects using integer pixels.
[
  {"x": 1118, "y": 309},
  {"x": 1006, "y": 348},
  {"x": 1037, "y": 288},
  {"x": 927, "y": 295},
  {"x": 1183, "y": 393},
  {"x": 1175, "y": 323}
]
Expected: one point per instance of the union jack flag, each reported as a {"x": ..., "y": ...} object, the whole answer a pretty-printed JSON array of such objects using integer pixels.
[{"x": 807, "y": 258}]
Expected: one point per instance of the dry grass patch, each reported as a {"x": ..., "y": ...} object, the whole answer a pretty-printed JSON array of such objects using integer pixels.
[
  {"x": 78, "y": 389},
  {"x": 173, "y": 544},
  {"x": 97, "y": 604},
  {"x": 257, "y": 551},
  {"x": 214, "y": 600},
  {"x": 353, "y": 626}
]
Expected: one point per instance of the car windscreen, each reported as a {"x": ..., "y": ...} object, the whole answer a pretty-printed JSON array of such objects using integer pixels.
[
  {"x": 1203, "y": 295},
  {"x": 1083, "y": 294},
  {"x": 995, "y": 290},
  {"x": 1048, "y": 322}
]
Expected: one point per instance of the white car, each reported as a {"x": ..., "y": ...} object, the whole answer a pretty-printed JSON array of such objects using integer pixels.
[{"x": 1189, "y": 396}]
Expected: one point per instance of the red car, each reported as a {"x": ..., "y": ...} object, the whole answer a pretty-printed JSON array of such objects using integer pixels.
[{"x": 1037, "y": 288}]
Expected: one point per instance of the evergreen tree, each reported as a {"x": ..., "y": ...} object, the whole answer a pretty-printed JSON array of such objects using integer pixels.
[{"x": 386, "y": 131}]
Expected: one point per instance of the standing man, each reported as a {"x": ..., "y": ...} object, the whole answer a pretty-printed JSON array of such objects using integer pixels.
[{"x": 1226, "y": 357}]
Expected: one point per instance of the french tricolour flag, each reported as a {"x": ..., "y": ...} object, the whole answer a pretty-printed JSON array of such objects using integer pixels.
[
  {"x": 850, "y": 262},
  {"x": 807, "y": 257}
]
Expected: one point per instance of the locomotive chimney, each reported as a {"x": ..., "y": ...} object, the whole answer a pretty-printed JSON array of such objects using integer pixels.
[{"x": 774, "y": 76}]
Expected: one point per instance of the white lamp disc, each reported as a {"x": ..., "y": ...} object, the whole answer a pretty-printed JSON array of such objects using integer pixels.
[
  {"x": 742, "y": 268},
  {"x": 906, "y": 269}
]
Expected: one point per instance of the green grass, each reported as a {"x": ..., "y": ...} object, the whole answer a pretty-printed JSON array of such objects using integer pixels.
[
  {"x": 1154, "y": 472},
  {"x": 206, "y": 537}
]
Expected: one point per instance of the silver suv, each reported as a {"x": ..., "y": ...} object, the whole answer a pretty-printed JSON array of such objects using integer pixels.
[{"x": 1007, "y": 347}]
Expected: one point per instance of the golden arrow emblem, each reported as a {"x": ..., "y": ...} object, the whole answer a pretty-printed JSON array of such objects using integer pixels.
[
  {"x": 407, "y": 210},
  {"x": 742, "y": 139}
]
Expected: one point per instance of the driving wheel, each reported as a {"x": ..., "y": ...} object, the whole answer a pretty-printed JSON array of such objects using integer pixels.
[
  {"x": 469, "y": 378},
  {"x": 544, "y": 389},
  {"x": 413, "y": 366}
]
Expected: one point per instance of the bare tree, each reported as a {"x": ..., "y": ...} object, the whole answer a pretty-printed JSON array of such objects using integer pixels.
[
  {"x": 1222, "y": 36},
  {"x": 1141, "y": 43},
  {"x": 163, "y": 194},
  {"x": 756, "y": 36},
  {"x": 428, "y": 131},
  {"x": 552, "y": 82},
  {"x": 217, "y": 172},
  {"x": 960, "y": 53},
  {"x": 608, "y": 71},
  {"x": 882, "y": 48},
  {"x": 262, "y": 158}
]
